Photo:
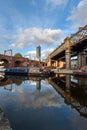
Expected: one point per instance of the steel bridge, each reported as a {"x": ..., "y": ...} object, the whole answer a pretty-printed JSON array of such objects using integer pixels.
[{"x": 75, "y": 45}]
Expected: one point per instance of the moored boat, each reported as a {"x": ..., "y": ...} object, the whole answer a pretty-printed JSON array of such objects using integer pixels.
[
  {"x": 32, "y": 71},
  {"x": 82, "y": 72},
  {"x": 16, "y": 71}
]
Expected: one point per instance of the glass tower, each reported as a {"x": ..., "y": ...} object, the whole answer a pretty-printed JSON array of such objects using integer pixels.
[{"x": 38, "y": 53}]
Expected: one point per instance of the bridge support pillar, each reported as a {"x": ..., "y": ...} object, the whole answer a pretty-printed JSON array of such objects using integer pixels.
[
  {"x": 84, "y": 57},
  {"x": 68, "y": 53},
  {"x": 68, "y": 59},
  {"x": 56, "y": 63},
  {"x": 79, "y": 60},
  {"x": 49, "y": 62}
]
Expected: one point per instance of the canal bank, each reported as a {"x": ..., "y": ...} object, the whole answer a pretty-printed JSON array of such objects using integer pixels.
[
  {"x": 63, "y": 71},
  {"x": 4, "y": 122}
]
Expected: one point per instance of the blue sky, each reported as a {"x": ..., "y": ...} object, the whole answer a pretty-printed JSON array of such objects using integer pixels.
[{"x": 25, "y": 24}]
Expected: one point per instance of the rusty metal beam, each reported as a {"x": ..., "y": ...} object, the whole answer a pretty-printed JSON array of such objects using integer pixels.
[{"x": 76, "y": 38}]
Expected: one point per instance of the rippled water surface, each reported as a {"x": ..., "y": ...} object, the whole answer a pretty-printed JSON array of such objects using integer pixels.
[{"x": 35, "y": 103}]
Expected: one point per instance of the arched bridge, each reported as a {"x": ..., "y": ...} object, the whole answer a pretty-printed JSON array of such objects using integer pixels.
[
  {"x": 75, "y": 45},
  {"x": 11, "y": 61}
]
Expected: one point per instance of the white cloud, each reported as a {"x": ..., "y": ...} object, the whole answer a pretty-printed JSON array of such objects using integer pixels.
[
  {"x": 31, "y": 55},
  {"x": 79, "y": 15},
  {"x": 44, "y": 54},
  {"x": 55, "y": 3},
  {"x": 36, "y": 36},
  {"x": 36, "y": 99}
]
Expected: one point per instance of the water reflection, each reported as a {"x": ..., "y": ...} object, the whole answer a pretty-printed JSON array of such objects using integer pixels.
[
  {"x": 4, "y": 123},
  {"x": 35, "y": 98},
  {"x": 28, "y": 108},
  {"x": 39, "y": 103},
  {"x": 18, "y": 80},
  {"x": 73, "y": 90}
]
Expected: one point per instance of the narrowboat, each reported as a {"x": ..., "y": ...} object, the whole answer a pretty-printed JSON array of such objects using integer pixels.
[
  {"x": 16, "y": 71},
  {"x": 81, "y": 73},
  {"x": 32, "y": 71}
]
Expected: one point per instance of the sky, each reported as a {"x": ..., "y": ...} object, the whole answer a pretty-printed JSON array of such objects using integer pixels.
[{"x": 26, "y": 24}]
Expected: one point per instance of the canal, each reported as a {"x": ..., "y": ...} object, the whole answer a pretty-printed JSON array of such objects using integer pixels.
[{"x": 40, "y": 103}]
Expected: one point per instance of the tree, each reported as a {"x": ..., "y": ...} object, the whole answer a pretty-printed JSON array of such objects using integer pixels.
[{"x": 18, "y": 55}]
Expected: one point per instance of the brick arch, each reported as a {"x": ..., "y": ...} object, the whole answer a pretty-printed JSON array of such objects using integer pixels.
[
  {"x": 6, "y": 62},
  {"x": 43, "y": 64},
  {"x": 11, "y": 61},
  {"x": 17, "y": 63}
]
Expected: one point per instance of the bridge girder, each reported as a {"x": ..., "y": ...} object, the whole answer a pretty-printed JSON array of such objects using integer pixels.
[{"x": 78, "y": 42}]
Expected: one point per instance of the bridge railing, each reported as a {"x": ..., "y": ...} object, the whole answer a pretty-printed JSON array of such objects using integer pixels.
[{"x": 80, "y": 35}]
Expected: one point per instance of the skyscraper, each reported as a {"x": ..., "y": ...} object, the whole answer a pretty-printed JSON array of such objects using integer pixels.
[{"x": 38, "y": 53}]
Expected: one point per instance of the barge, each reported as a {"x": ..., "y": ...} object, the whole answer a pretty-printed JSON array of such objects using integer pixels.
[
  {"x": 82, "y": 72},
  {"x": 16, "y": 71},
  {"x": 32, "y": 71}
]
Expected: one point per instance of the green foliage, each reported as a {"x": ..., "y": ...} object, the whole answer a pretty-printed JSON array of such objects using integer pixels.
[{"x": 18, "y": 55}]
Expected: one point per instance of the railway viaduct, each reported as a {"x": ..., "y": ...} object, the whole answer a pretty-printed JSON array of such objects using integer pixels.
[
  {"x": 75, "y": 45},
  {"x": 11, "y": 61}
]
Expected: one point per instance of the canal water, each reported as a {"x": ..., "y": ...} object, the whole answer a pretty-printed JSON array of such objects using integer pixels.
[{"x": 40, "y": 103}]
